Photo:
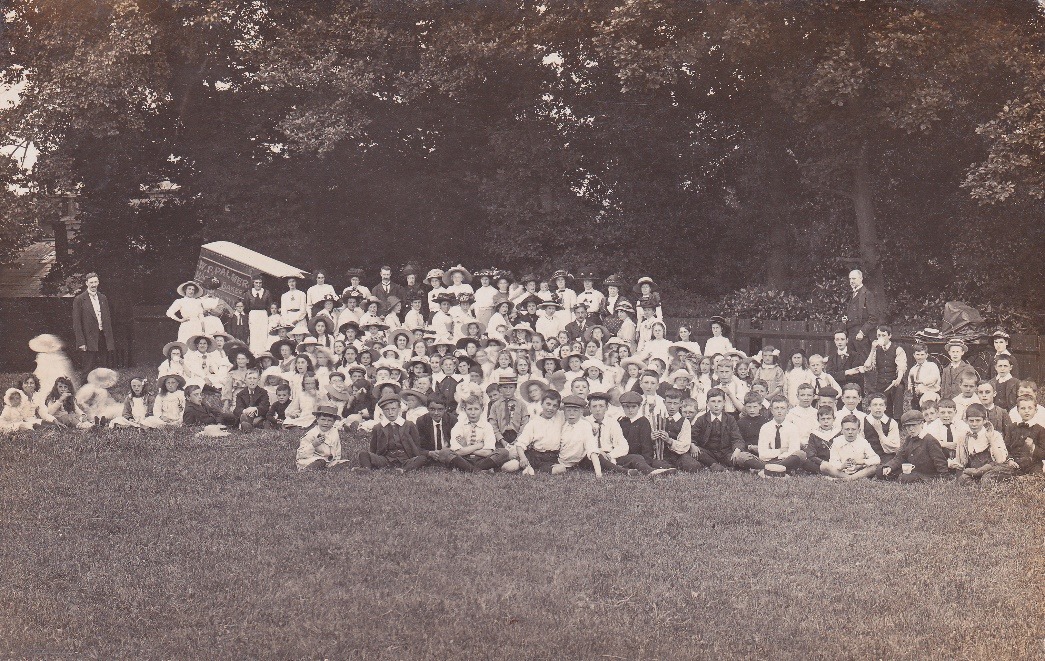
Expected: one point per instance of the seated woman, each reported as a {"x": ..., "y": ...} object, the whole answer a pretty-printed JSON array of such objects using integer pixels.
[
  {"x": 63, "y": 408},
  {"x": 34, "y": 399}
]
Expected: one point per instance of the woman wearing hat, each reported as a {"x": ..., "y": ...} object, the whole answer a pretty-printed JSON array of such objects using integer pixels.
[
  {"x": 613, "y": 284},
  {"x": 626, "y": 329},
  {"x": 236, "y": 378},
  {"x": 647, "y": 289},
  {"x": 393, "y": 308},
  {"x": 200, "y": 366},
  {"x": 484, "y": 295},
  {"x": 213, "y": 307},
  {"x": 719, "y": 340},
  {"x": 457, "y": 281},
  {"x": 187, "y": 310}
]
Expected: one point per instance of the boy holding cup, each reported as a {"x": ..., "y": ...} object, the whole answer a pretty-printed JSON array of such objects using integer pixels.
[{"x": 920, "y": 457}]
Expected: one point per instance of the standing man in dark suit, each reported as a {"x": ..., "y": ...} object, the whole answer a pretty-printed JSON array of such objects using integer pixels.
[
  {"x": 434, "y": 427},
  {"x": 387, "y": 288},
  {"x": 862, "y": 315},
  {"x": 92, "y": 325}
]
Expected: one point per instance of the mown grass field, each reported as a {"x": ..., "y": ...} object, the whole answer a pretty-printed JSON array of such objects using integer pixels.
[{"x": 164, "y": 545}]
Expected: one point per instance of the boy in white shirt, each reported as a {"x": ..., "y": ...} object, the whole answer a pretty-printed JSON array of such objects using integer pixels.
[
  {"x": 850, "y": 404},
  {"x": 577, "y": 438},
  {"x": 821, "y": 379},
  {"x": 948, "y": 429},
  {"x": 538, "y": 446},
  {"x": 881, "y": 431},
  {"x": 734, "y": 389},
  {"x": 802, "y": 418},
  {"x": 851, "y": 455},
  {"x": 1028, "y": 389},
  {"x": 320, "y": 447},
  {"x": 777, "y": 443},
  {"x": 924, "y": 378},
  {"x": 473, "y": 445},
  {"x": 967, "y": 396}
]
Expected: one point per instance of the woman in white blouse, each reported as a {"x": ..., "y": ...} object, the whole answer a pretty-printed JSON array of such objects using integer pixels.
[{"x": 187, "y": 311}]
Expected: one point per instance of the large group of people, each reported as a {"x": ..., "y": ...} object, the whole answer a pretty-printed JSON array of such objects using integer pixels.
[{"x": 483, "y": 372}]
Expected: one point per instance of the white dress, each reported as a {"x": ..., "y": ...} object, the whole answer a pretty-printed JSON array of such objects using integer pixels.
[
  {"x": 191, "y": 310},
  {"x": 715, "y": 345}
]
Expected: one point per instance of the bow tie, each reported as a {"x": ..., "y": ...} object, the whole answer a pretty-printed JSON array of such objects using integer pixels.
[{"x": 1023, "y": 425}]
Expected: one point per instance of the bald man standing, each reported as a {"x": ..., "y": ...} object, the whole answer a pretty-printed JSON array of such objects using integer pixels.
[{"x": 862, "y": 315}]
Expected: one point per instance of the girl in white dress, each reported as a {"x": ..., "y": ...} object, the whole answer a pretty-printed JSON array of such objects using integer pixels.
[
  {"x": 187, "y": 311},
  {"x": 797, "y": 373},
  {"x": 300, "y": 411},
  {"x": 175, "y": 363},
  {"x": 169, "y": 406},
  {"x": 718, "y": 342}
]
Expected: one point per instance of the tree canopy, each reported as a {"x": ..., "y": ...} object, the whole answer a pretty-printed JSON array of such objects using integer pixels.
[{"x": 712, "y": 145}]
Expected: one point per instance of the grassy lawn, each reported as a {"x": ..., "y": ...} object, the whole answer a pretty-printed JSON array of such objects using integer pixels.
[{"x": 124, "y": 544}]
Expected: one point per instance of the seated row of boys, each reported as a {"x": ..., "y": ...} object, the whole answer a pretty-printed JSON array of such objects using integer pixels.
[{"x": 644, "y": 437}]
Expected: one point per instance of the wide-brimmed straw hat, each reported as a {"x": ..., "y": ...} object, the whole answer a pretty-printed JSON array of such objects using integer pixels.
[
  {"x": 195, "y": 340},
  {"x": 316, "y": 319},
  {"x": 103, "y": 377},
  {"x": 435, "y": 273},
  {"x": 448, "y": 277},
  {"x": 645, "y": 280},
  {"x": 174, "y": 345},
  {"x": 183, "y": 286},
  {"x": 162, "y": 381}
]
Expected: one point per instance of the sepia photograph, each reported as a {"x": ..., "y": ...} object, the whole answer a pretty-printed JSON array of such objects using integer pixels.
[{"x": 522, "y": 329}]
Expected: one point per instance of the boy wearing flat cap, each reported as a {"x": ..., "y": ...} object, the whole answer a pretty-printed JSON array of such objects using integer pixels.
[
  {"x": 952, "y": 375},
  {"x": 320, "y": 447},
  {"x": 919, "y": 449},
  {"x": 394, "y": 443}
]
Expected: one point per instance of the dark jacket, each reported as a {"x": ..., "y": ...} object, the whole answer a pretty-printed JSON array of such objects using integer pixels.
[
  {"x": 639, "y": 435},
  {"x": 1026, "y": 445},
  {"x": 85, "y": 323},
  {"x": 244, "y": 400},
  {"x": 426, "y": 430},
  {"x": 722, "y": 447},
  {"x": 862, "y": 313},
  {"x": 836, "y": 367},
  {"x": 277, "y": 413},
  {"x": 197, "y": 415},
  {"x": 238, "y": 327},
  {"x": 391, "y": 440},
  {"x": 924, "y": 452}
]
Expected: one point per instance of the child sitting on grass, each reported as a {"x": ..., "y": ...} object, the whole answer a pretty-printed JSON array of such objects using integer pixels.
[
  {"x": 928, "y": 460},
  {"x": 981, "y": 455},
  {"x": 137, "y": 408},
  {"x": 199, "y": 413},
  {"x": 320, "y": 447},
  {"x": 1026, "y": 439},
  {"x": 851, "y": 455},
  {"x": 62, "y": 406},
  {"x": 821, "y": 439},
  {"x": 277, "y": 413},
  {"x": 473, "y": 443},
  {"x": 169, "y": 405},
  {"x": 12, "y": 418}
]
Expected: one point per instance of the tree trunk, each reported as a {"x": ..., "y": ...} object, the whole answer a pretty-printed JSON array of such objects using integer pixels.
[{"x": 866, "y": 228}]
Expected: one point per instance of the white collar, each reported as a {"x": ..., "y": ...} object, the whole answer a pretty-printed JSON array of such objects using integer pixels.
[
  {"x": 1007, "y": 378},
  {"x": 399, "y": 422}
]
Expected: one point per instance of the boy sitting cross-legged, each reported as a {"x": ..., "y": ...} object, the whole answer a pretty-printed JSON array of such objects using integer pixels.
[
  {"x": 320, "y": 447},
  {"x": 851, "y": 455}
]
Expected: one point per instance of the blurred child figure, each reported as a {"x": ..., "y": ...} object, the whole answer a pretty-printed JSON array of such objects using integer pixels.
[
  {"x": 137, "y": 408},
  {"x": 13, "y": 417},
  {"x": 51, "y": 361},
  {"x": 35, "y": 404},
  {"x": 94, "y": 397},
  {"x": 320, "y": 447}
]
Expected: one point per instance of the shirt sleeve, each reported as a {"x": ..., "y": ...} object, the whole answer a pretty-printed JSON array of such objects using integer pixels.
[
  {"x": 457, "y": 436},
  {"x": 901, "y": 363},
  {"x": 682, "y": 444},
  {"x": 766, "y": 437}
]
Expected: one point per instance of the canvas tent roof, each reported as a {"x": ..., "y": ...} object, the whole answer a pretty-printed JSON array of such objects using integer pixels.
[{"x": 255, "y": 260}]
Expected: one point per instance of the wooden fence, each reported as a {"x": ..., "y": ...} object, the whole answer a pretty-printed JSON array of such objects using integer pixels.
[{"x": 750, "y": 335}]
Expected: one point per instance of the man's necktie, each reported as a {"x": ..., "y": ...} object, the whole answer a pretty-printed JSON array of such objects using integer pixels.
[
  {"x": 438, "y": 436},
  {"x": 950, "y": 434},
  {"x": 598, "y": 435},
  {"x": 776, "y": 439}
]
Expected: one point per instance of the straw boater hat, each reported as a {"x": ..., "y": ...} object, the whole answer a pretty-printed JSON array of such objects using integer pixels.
[
  {"x": 679, "y": 374},
  {"x": 444, "y": 297},
  {"x": 162, "y": 381},
  {"x": 448, "y": 277},
  {"x": 195, "y": 340},
  {"x": 550, "y": 304},
  {"x": 173, "y": 345},
  {"x": 326, "y": 410},
  {"x": 355, "y": 367},
  {"x": 625, "y": 306},
  {"x": 103, "y": 377},
  {"x": 434, "y": 273},
  {"x": 46, "y": 343},
  {"x": 1001, "y": 333},
  {"x": 561, "y": 273},
  {"x": 956, "y": 342},
  {"x": 183, "y": 286},
  {"x": 645, "y": 280},
  {"x": 274, "y": 349}
]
